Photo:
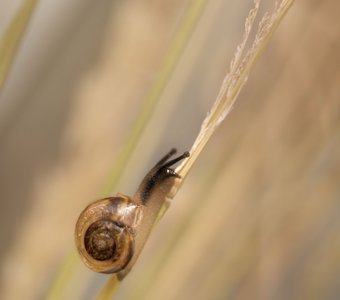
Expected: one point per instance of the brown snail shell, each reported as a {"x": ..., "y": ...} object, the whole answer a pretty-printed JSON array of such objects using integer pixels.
[{"x": 105, "y": 234}]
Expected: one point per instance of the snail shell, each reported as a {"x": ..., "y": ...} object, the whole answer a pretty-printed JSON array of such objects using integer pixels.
[{"x": 105, "y": 233}]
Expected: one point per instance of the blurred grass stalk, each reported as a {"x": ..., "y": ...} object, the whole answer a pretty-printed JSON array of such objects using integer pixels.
[
  {"x": 12, "y": 36},
  {"x": 190, "y": 19},
  {"x": 193, "y": 14}
]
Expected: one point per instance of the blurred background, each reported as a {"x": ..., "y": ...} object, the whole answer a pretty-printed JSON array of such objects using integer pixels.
[{"x": 258, "y": 216}]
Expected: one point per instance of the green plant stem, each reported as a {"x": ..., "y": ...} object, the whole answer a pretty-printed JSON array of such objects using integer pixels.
[
  {"x": 194, "y": 12},
  {"x": 10, "y": 41}
]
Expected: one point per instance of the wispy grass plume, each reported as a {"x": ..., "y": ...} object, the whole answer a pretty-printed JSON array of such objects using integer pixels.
[{"x": 237, "y": 76}]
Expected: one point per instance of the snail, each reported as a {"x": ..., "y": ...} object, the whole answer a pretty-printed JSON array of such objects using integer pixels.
[{"x": 111, "y": 232}]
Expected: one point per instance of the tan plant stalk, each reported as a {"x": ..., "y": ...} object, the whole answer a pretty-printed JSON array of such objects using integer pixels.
[{"x": 232, "y": 84}]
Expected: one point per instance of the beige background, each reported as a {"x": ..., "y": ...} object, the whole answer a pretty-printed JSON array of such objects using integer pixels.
[{"x": 257, "y": 217}]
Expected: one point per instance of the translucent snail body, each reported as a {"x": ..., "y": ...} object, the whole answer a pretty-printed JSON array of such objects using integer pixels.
[{"x": 111, "y": 232}]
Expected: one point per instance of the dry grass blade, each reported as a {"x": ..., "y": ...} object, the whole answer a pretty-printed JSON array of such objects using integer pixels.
[{"x": 238, "y": 74}]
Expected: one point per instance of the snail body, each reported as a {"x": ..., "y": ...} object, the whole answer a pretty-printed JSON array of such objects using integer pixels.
[{"x": 111, "y": 232}]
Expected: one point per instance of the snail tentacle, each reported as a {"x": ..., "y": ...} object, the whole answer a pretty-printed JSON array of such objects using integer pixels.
[{"x": 160, "y": 172}]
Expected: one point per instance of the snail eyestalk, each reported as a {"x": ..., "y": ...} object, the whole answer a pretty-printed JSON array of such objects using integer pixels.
[{"x": 159, "y": 173}]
